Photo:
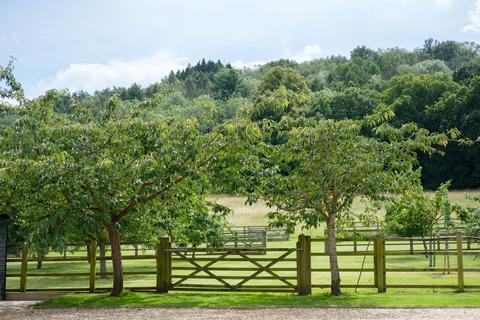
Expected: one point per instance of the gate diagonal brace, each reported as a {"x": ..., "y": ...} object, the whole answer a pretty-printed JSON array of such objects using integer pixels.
[
  {"x": 200, "y": 268},
  {"x": 273, "y": 274},
  {"x": 263, "y": 268}
]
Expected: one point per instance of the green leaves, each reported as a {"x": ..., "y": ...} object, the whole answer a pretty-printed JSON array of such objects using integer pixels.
[
  {"x": 68, "y": 178},
  {"x": 324, "y": 165},
  {"x": 10, "y": 88},
  {"x": 282, "y": 92},
  {"x": 413, "y": 213}
]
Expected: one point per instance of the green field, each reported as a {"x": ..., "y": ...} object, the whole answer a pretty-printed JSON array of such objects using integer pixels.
[
  {"x": 256, "y": 216},
  {"x": 391, "y": 299}
]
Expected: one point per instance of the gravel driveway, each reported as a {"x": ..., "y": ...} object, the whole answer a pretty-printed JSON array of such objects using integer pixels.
[{"x": 22, "y": 310}]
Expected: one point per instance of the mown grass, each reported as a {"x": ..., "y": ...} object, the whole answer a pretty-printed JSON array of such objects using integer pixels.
[
  {"x": 255, "y": 215},
  {"x": 349, "y": 299}
]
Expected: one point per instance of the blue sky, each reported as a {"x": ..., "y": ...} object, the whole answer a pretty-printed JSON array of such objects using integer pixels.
[{"x": 94, "y": 44}]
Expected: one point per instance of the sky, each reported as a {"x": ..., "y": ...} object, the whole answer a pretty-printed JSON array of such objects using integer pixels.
[{"x": 93, "y": 44}]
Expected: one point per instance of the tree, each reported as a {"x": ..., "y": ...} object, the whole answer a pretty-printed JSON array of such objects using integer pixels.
[
  {"x": 66, "y": 175},
  {"x": 314, "y": 177},
  {"x": 411, "y": 96},
  {"x": 357, "y": 71},
  {"x": 438, "y": 103},
  {"x": 364, "y": 52},
  {"x": 467, "y": 71},
  {"x": 454, "y": 53},
  {"x": 281, "y": 92},
  {"x": 390, "y": 59},
  {"x": 410, "y": 215},
  {"x": 283, "y": 63},
  {"x": 471, "y": 217},
  {"x": 135, "y": 92},
  {"x": 278, "y": 103},
  {"x": 426, "y": 67},
  {"x": 278, "y": 77},
  {"x": 415, "y": 214},
  {"x": 352, "y": 103},
  {"x": 225, "y": 83}
]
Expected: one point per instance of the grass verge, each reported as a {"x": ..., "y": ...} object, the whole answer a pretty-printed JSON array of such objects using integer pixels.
[{"x": 141, "y": 299}]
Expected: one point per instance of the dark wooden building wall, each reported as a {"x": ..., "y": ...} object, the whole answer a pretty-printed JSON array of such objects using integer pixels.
[{"x": 3, "y": 257}]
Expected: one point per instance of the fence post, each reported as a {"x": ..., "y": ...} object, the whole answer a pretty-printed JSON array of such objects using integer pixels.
[
  {"x": 379, "y": 264},
  {"x": 264, "y": 239},
  {"x": 460, "y": 264},
  {"x": 304, "y": 265},
  {"x": 354, "y": 238},
  {"x": 23, "y": 269},
  {"x": 163, "y": 265},
  {"x": 93, "y": 265}
]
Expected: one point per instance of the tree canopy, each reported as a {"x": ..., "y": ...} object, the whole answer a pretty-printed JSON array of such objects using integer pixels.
[{"x": 76, "y": 175}]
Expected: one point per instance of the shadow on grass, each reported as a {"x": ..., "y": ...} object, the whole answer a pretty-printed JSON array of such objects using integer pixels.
[{"x": 142, "y": 299}]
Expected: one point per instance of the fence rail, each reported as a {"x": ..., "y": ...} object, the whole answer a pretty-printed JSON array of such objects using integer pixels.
[{"x": 281, "y": 269}]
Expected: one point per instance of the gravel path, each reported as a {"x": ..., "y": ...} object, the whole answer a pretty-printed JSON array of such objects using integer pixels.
[{"x": 23, "y": 311}]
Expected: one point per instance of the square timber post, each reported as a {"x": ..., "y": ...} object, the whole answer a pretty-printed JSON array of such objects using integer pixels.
[
  {"x": 304, "y": 265},
  {"x": 164, "y": 265},
  {"x": 379, "y": 264},
  {"x": 461, "y": 281}
]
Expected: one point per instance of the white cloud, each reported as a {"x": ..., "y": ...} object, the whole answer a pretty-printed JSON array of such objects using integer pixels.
[
  {"x": 474, "y": 20},
  {"x": 95, "y": 76},
  {"x": 307, "y": 53},
  {"x": 240, "y": 64}
]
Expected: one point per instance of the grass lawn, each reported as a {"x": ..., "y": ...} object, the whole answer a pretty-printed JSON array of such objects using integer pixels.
[
  {"x": 349, "y": 299},
  {"x": 255, "y": 215}
]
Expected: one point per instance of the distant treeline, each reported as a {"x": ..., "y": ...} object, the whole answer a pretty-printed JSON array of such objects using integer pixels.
[{"x": 436, "y": 86}]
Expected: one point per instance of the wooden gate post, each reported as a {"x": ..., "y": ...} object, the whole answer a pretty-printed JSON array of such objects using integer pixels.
[
  {"x": 23, "y": 269},
  {"x": 93, "y": 265},
  {"x": 164, "y": 265},
  {"x": 379, "y": 264},
  {"x": 460, "y": 264},
  {"x": 304, "y": 265}
]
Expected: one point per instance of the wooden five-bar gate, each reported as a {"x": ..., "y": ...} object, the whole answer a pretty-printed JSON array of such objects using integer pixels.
[{"x": 227, "y": 269}]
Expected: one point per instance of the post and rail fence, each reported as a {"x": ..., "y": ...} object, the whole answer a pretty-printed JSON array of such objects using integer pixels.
[{"x": 282, "y": 269}]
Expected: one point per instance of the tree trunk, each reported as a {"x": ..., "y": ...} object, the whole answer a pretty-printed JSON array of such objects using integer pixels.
[
  {"x": 103, "y": 262},
  {"x": 116, "y": 260},
  {"x": 332, "y": 252},
  {"x": 39, "y": 263},
  {"x": 87, "y": 246}
]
